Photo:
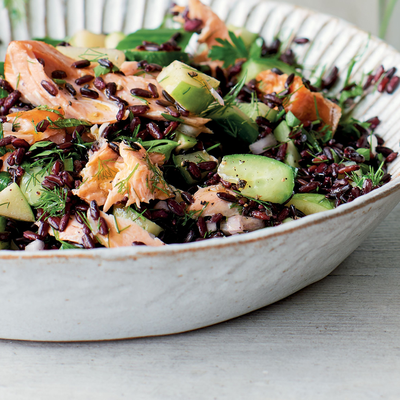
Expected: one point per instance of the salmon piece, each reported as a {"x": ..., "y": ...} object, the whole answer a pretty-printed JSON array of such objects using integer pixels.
[
  {"x": 212, "y": 26},
  {"x": 22, "y": 66},
  {"x": 72, "y": 233},
  {"x": 157, "y": 158},
  {"x": 98, "y": 174},
  {"x": 131, "y": 68},
  {"x": 5, "y": 164},
  {"x": 129, "y": 232},
  {"x": 208, "y": 203},
  {"x": 301, "y": 103},
  {"x": 137, "y": 178},
  {"x": 25, "y": 122}
]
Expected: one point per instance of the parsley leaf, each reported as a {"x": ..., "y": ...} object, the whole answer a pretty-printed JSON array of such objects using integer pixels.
[
  {"x": 100, "y": 70},
  {"x": 229, "y": 52}
]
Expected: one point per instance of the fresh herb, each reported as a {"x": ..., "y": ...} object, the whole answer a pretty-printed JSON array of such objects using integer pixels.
[
  {"x": 18, "y": 79},
  {"x": 140, "y": 99},
  {"x": 53, "y": 110},
  {"x": 159, "y": 36},
  {"x": 16, "y": 125},
  {"x": 105, "y": 171},
  {"x": 229, "y": 51},
  {"x": 67, "y": 123},
  {"x": 123, "y": 186},
  {"x": 53, "y": 201},
  {"x": 169, "y": 117},
  {"x": 60, "y": 81},
  {"x": 386, "y": 11},
  {"x": 92, "y": 55},
  {"x": 101, "y": 70},
  {"x": 163, "y": 146},
  {"x": 374, "y": 176}
]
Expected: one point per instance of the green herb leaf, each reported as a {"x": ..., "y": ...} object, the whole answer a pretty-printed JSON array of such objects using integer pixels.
[
  {"x": 68, "y": 123},
  {"x": 169, "y": 117},
  {"x": 159, "y": 36},
  {"x": 100, "y": 70},
  {"x": 38, "y": 145},
  {"x": 60, "y": 81},
  {"x": 229, "y": 52}
]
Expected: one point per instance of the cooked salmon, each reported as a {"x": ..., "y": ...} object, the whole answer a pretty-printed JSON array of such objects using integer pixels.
[
  {"x": 207, "y": 202},
  {"x": 137, "y": 178},
  {"x": 23, "y": 69},
  {"x": 212, "y": 26},
  {"x": 302, "y": 102},
  {"x": 72, "y": 233},
  {"x": 121, "y": 232},
  {"x": 98, "y": 174},
  {"x": 22, "y": 124}
]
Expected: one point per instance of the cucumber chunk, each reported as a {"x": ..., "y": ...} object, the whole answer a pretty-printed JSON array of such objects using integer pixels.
[
  {"x": 112, "y": 39},
  {"x": 281, "y": 133},
  {"x": 185, "y": 142},
  {"x": 235, "y": 123},
  {"x": 181, "y": 160},
  {"x": 13, "y": 204},
  {"x": 85, "y": 38},
  {"x": 163, "y": 58},
  {"x": 259, "y": 177},
  {"x": 130, "y": 213},
  {"x": 311, "y": 203},
  {"x": 117, "y": 57},
  {"x": 188, "y": 86},
  {"x": 258, "y": 109},
  {"x": 31, "y": 184},
  {"x": 254, "y": 66}
]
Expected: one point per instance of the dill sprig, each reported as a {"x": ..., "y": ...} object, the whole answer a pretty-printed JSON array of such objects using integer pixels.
[
  {"x": 53, "y": 201},
  {"x": 105, "y": 171},
  {"x": 374, "y": 176},
  {"x": 123, "y": 186}
]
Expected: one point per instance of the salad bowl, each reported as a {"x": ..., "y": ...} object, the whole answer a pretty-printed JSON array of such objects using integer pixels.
[{"x": 105, "y": 294}]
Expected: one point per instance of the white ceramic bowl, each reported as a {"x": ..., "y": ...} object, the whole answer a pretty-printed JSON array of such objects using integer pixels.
[{"x": 133, "y": 292}]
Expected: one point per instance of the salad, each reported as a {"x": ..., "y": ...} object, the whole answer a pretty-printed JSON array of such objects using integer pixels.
[{"x": 152, "y": 142}]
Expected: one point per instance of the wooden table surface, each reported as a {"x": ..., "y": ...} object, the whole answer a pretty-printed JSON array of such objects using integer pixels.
[{"x": 336, "y": 339}]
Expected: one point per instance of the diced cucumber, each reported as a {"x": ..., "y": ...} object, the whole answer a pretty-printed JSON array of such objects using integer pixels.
[
  {"x": 188, "y": 86},
  {"x": 3, "y": 244},
  {"x": 259, "y": 177},
  {"x": 5, "y": 180},
  {"x": 196, "y": 157},
  {"x": 235, "y": 123},
  {"x": 117, "y": 57},
  {"x": 185, "y": 142},
  {"x": 31, "y": 184},
  {"x": 254, "y": 66},
  {"x": 247, "y": 36},
  {"x": 291, "y": 120},
  {"x": 311, "y": 203},
  {"x": 112, "y": 39},
  {"x": 163, "y": 58},
  {"x": 69, "y": 164},
  {"x": 130, "y": 213},
  {"x": 13, "y": 204},
  {"x": 258, "y": 109},
  {"x": 85, "y": 38},
  {"x": 281, "y": 133}
]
